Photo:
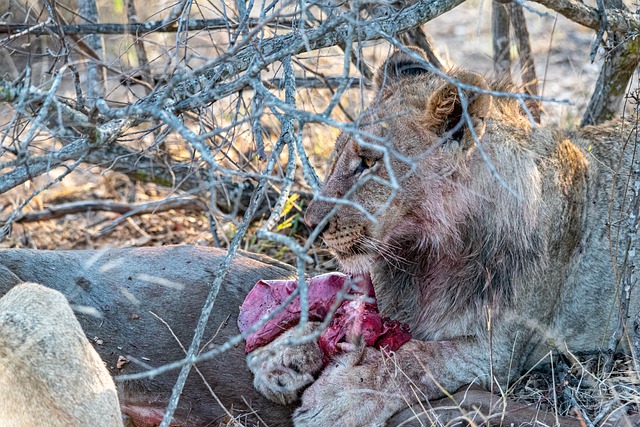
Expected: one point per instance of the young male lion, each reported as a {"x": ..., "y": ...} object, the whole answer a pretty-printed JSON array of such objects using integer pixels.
[{"x": 497, "y": 241}]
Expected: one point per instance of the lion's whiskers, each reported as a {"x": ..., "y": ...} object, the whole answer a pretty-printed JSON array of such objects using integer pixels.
[{"x": 385, "y": 250}]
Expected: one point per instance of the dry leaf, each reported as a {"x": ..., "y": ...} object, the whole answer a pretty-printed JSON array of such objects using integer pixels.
[{"x": 121, "y": 362}]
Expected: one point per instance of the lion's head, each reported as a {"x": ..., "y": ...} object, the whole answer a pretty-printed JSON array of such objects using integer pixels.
[{"x": 436, "y": 177}]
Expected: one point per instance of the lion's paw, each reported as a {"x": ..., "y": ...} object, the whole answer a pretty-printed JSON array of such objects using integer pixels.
[
  {"x": 281, "y": 371},
  {"x": 355, "y": 390}
]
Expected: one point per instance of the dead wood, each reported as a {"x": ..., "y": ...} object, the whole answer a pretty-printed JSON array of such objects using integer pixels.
[
  {"x": 58, "y": 211},
  {"x": 501, "y": 40},
  {"x": 527, "y": 66},
  {"x": 138, "y": 28},
  {"x": 577, "y": 11},
  {"x": 87, "y": 132}
]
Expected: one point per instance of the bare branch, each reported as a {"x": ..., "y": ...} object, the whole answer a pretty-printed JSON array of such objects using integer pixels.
[
  {"x": 318, "y": 83},
  {"x": 194, "y": 348},
  {"x": 65, "y": 121},
  {"x": 140, "y": 29},
  {"x": 331, "y": 33},
  {"x": 529, "y": 78},
  {"x": 141, "y": 53},
  {"x": 501, "y": 40},
  {"x": 58, "y": 211},
  {"x": 618, "y": 20},
  {"x": 95, "y": 75},
  {"x": 636, "y": 342}
]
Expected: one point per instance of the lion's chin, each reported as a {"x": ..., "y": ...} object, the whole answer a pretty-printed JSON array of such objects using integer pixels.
[{"x": 355, "y": 264}]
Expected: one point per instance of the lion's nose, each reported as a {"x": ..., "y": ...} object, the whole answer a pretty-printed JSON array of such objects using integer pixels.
[
  {"x": 314, "y": 216},
  {"x": 314, "y": 224}
]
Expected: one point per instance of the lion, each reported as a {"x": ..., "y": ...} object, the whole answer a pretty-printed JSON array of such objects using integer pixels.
[{"x": 498, "y": 241}]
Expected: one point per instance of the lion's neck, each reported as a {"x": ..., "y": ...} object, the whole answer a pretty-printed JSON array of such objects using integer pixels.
[{"x": 443, "y": 296}]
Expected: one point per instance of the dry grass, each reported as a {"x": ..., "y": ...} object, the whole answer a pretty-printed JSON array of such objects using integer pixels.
[{"x": 582, "y": 388}]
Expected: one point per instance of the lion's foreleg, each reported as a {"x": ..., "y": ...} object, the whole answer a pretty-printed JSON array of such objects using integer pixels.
[{"x": 367, "y": 387}]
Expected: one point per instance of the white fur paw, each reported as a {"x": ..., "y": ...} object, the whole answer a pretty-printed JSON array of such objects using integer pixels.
[{"x": 282, "y": 371}]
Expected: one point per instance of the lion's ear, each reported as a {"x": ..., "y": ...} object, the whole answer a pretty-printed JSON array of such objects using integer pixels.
[
  {"x": 445, "y": 112},
  {"x": 399, "y": 65}
]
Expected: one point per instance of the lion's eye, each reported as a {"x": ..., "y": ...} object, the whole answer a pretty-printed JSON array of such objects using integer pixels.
[{"x": 365, "y": 163}]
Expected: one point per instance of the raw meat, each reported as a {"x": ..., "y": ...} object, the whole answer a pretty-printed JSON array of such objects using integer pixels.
[{"x": 357, "y": 315}]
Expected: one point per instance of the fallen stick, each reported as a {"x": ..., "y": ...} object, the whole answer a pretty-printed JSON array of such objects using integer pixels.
[{"x": 58, "y": 211}]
